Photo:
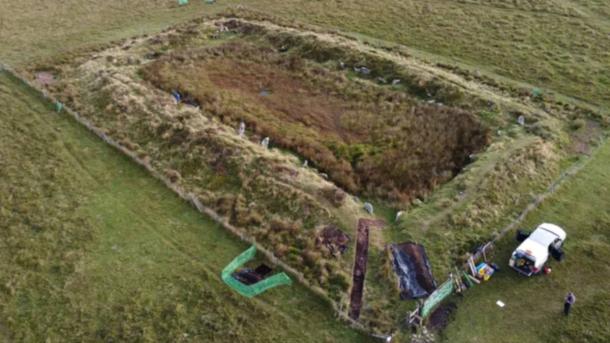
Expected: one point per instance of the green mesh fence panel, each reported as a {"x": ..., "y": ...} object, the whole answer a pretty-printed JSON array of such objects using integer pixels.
[
  {"x": 250, "y": 291},
  {"x": 440, "y": 294},
  {"x": 536, "y": 92}
]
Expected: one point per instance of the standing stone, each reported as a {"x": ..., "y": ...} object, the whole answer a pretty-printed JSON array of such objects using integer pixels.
[
  {"x": 242, "y": 129},
  {"x": 398, "y": 215},
  {"x": 176, "y": 96},
  {"x": 305, "y": 164},
  {"x": 521, "y": 120},
  {"x": 265, "y": 143},
  {"x": 368, "y": 207}
]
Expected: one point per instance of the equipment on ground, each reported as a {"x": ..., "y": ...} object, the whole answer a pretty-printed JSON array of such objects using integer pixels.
[
  {"x": 485, "y": 271},
  {"x": 531, "y": 255}
]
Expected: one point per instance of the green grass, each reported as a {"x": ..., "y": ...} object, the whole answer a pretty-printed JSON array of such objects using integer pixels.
[
  {"x": 558, "y": 45},
  {"x": 56, "y": 267},
  {"x": 533, "y": 311},
  {"x": 94, "y": 249}
]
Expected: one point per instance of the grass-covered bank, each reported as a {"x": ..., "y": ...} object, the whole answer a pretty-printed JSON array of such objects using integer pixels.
[
  {"x": 554, "y": 44},
  {"x": 94, "y": 249},
  {"x": 533, "y": 311}
]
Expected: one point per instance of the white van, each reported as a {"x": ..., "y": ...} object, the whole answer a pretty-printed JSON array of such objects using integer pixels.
[{"x": 531, "y": 255}]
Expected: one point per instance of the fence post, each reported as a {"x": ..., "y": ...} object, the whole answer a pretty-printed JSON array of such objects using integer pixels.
[{"x": 188, "y": 197}]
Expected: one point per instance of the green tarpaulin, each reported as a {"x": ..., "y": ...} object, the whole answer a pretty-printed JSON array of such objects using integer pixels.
[
  {"x": 440, "y": 294},
  {"x": 257, "y": 288}
]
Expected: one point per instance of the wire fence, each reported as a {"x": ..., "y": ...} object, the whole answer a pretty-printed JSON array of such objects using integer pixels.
[
  {"x": 191, "y": 198},
  {"x": 426, "y": 307},
  {"x": 194, "y": 201}
]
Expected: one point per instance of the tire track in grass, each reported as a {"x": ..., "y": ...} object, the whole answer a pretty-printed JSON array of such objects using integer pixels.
[
  {"x": 177, "y": 190},
  {"x": 197, "y": 260},
  {"x": 74, "y": 159},
  {"x": 36, "y": 113},
  {"x": 565, "y": 176}
]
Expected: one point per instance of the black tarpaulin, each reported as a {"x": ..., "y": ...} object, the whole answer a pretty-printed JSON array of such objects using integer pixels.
[{"x": 412, "y": 268}]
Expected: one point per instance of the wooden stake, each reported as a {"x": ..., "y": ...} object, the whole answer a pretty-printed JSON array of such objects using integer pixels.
[
  {"x": 473, "y": 279},
  {"x": 473, "y": 271}
]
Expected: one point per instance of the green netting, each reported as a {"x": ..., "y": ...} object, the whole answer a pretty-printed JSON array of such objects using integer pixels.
[
  {"x": 467, "y": 279},
  {"x": 59, "y": 106},
  {"x": 536, "y": 92},
  {"x": 257, "y": 288},
  {"x": 183, "y": 2},
  {"x": 440, "y": 294}
]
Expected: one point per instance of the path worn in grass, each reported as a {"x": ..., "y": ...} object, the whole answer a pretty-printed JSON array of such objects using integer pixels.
[
  {"x": 533, "y": 311},
  {"x": 94, "y": 249}
]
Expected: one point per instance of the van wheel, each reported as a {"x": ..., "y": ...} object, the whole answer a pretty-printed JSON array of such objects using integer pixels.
[
  {"x": 557, "y": 253},
  {"x": 522, "y": 235},
  {"x": 556, "y": 245}
]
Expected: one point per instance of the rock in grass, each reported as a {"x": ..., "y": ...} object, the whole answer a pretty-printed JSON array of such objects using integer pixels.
[
  {"x": 368, "y": 207},
  {"x": 242, "y": 129},
  {"x": 362, "y": 70},
  {"x": 265, "y": 143},
  {"x": 398, "y": 215}
]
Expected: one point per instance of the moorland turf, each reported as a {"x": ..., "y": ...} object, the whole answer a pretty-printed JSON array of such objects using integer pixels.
[{"x": 91, "y": 248}]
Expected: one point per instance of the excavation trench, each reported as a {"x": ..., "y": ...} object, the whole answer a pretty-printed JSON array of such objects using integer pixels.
[{"x": 360, "y": 263}]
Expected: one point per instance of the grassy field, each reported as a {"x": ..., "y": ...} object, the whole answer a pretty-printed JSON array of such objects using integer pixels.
[
  {"x": 70, "y": 268},
  {"x": 93, "y": 249},
  {"x": 112, "y": 93},
  {"x": 558, "y": 45},
  {"x": 534, "y": 306}
]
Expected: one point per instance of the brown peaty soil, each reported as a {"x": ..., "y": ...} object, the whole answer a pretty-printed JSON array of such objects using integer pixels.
[
  {"x": 370, "y": 139},
  {"x": 279, "y": 92}
]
